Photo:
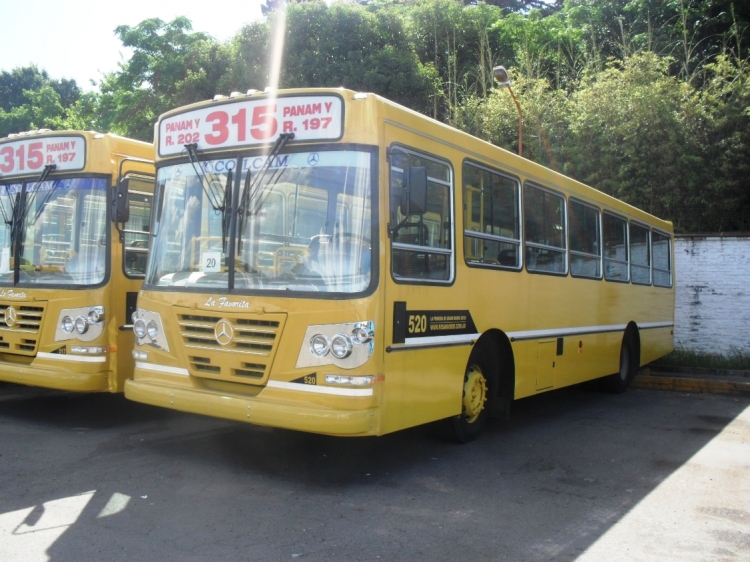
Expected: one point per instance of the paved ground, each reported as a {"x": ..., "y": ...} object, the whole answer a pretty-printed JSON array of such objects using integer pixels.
[{"x": 648, "y": 475}]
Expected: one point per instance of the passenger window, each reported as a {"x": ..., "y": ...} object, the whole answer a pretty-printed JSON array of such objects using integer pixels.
[
  {"x": 492, "y": 222},
  {"x": 422, "y": 247},
  {"x": 585, "y": 242},
  {"x": 137, "y": 230},
  {"x": 544, "y": 214},
  {"x": 615, "y": 248},
  {"x": 640, "y": 255},
  {"x": 660, "y": 249}
]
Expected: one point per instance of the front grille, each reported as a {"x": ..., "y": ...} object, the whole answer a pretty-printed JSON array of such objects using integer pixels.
[
  {"x": 245, "y": 357},
  {"x": 19, "y": 326}
]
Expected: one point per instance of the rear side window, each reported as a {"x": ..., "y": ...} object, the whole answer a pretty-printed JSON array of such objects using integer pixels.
[
  {"x": 544, "y": 219},
  {"x": 661, "y": 251},
  {"x": 640, "y": 254},
  {"x": 615, "y": 247},
  {"x": 585, "y": 240},
  {"x": 492, "y": 230}
]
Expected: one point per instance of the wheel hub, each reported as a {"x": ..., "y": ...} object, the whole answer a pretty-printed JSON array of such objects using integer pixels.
[{"x": 475, "y": 394}]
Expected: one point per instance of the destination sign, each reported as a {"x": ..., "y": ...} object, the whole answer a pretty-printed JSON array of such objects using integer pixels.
[
  {"x": 248, "y": 122},
  {"x": 30, "y": 155}
]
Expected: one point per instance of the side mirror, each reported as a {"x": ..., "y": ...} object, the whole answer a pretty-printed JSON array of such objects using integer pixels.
[
  {"x": 414, "y": 197},
  {"x": 121, "y": 203}
]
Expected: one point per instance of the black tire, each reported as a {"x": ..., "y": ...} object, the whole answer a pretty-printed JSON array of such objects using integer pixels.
[
  {"x": 479, "y": 393},
  {"x": 618, "y": 382}
]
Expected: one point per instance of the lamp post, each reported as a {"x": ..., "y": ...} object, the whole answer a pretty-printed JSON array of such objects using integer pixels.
[{"x": 503, "y": 81}]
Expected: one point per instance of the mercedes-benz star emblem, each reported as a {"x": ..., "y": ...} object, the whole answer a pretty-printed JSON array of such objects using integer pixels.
[
  {"x": 313, "y": 159},
  {"x": 224, "y": 332},
  {"x": 10, "y": 316}
]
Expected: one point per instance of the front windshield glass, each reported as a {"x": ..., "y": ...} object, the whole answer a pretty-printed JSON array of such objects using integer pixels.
[
  {"x": 64, "y": 237},
  {"x": 8, "y": 198},
  {"x": 305, "y": 226},
  {"x": 189, "y": 247}
]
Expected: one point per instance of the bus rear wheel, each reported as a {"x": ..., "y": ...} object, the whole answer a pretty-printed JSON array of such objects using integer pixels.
[
  {"x": 480, "y": 386},
  {"x": 619, "y": 381}
]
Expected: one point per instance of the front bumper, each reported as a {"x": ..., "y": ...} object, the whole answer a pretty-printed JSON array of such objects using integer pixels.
[
  {"x": 60, "y": 373},
  {"x": 268, "y": 408}
]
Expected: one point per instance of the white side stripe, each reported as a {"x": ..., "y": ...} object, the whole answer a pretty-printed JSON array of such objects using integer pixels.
[
  {"x": 646, "y": 325},
  {"x": 320, "y": 389},
  {"x": 75, "y": 358},
  {"x": 161, "y": 368},
  {"x": 560, "y": 332},
  {"x": 459, "y": 338}
]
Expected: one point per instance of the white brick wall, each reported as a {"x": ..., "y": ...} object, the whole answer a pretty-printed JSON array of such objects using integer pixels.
[{"x": 712, "y": 302}]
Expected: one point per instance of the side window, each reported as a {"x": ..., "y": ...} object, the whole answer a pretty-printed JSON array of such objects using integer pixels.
[
  {"x": 137, "y": 229},
  {"x": 585, "y": 240},
  {"x": 615, "y": 248},
  {"x": 422, "y": 238},
  {"x": 492, "y": 230},
  {"x": 640, "y": 255},
  {"x": 662, "y": 259},
  {"x": 544, "y": 218}
]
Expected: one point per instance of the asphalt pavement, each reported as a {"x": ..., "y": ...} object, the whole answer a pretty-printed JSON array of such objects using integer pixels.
[{"x": 573, "y": 475}]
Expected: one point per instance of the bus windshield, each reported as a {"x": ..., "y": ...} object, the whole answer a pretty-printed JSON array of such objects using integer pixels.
[
  {"x": 64, "y": 234},
  {"x": 302, "y": 225}
]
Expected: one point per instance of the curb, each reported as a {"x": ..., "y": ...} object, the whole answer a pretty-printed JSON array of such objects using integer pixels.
[{"x": 696, "y": 383}]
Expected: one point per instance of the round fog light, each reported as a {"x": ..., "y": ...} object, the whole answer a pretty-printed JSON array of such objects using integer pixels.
[
  {"x": 320, "y": 345},
  {"x": 152, "y": 330},
  {"x": 94, "y": 316},
  {"x": 139, "y": 328},
  {"x": 81, "y": 324},
  {"x": 341, "y": 346},
  {"x": 67, "y": 324}
]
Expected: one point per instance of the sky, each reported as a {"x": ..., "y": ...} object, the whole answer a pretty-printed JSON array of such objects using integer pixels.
[{"x": 75, "y": 38}]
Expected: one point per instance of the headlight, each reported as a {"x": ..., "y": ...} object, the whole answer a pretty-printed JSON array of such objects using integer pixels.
[
  {"x": 81, "y": 324},
  {"x": 96, "y": 314},
  {"x": 341, "y": 346},
  {"x": 139, "y": 327},
  {"x": 320, "y": 345},
  {"x": 67, "y": 324},
  {"x": 152, "y": 330},
  {"x": 348, "y": 345}
]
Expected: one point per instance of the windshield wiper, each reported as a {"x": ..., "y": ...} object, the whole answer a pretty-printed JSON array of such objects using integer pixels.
[
  {"x": 241, "y": 208},
  {"x": 224, "y": 215},
  {"x": 253, "y": 185},
  {"x": 214, "y": 198},
  {"x": 29, "y": 204}
]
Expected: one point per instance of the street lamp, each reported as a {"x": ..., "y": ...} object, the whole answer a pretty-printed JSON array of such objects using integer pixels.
[{"x": 503, "y": 81}]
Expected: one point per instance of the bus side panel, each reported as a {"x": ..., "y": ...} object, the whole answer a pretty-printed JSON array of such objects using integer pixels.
[{"x": 656, "y": 343}]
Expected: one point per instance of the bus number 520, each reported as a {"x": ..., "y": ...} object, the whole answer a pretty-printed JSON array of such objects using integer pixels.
[{"x": 417, "y": 323}]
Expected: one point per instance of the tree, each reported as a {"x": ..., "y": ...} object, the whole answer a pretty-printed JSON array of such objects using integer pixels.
[
  {"x": 30, "y": 99},
  {"x": 170, "y": 67}
]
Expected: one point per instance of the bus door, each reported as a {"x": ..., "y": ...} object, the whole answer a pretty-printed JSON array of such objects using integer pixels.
[
  {"x": 131, "y": 216},
  {"x": 425, "y": 313}
]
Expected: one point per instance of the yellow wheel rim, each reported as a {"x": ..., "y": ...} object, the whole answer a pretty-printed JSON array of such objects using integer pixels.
[{"x": 475, "y": 394}]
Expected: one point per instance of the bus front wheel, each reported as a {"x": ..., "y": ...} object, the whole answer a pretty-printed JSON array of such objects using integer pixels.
[{"x": 480, "y": 386}]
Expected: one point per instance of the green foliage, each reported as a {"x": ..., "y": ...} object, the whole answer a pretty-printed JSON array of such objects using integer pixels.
[
  {"x": 735, "y": 359},
  {"x": 170, "y": 67},
  {"x": 30, "y": 99}
]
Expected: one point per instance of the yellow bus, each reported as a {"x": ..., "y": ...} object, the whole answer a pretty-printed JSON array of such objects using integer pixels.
[
  {"x": 329, "y": 261},
  {"x": 70, "y": 274}
]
